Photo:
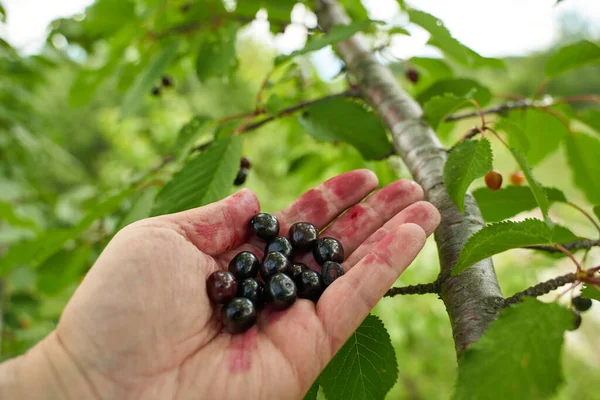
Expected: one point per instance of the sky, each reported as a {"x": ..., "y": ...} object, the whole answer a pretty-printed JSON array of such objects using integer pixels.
[{"x": 490, "y": 27}]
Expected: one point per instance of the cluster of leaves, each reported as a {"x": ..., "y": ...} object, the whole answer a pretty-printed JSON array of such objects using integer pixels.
[{"x": 143, "y": 40}]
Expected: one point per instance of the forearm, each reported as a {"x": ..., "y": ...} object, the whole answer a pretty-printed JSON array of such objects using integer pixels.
[{"x": 45, "y": 372}]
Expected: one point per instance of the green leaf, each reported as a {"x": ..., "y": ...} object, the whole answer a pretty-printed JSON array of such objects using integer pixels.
[
  {"x": 543, "y": 132},
  {"x": 141, "y": 207},
  {"x": 590, "y": 292},
  {"x": 62, "y": 269},
  {"x": 278, "y": 9},
  {"x": 518, "y": 357},
  {"x": 499, "y": 237},
  {"x": 337, "y": 34},
  {"x": 204, "y": 179},
  {"x": 561, "y": 234},
  {"x": 459, "y": 87},
  {"x": 189, "y": 134},
  {"x": 452, "y": 48},
  {"x": 9, "y": 215},
  {"x": 597, "y": 212},
  {"x": 2, "y": 13},
  {"x": 365, "y": 367},
  {"x": 216, "y": 55},
  {"x": 572, "y": 56},
  {"x": 509, "y": 201},
  {"x": 582, "y": 155},
  {"x": 437, "y": 108},
  {"x": 313, "y": 392},
  {"x": 397, "y": 30},
  {"x": 147, "y": 79},
  {"x": 348, "y": 121},
  {"x": 470, "y": 159},
  {"x": 431, "y": 69},
  {"x": 590, "y": 117},
  {"x": 536, "y": 188}
]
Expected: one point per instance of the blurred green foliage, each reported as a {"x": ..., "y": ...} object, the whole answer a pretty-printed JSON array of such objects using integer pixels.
[{"x": 79, "y": 127}]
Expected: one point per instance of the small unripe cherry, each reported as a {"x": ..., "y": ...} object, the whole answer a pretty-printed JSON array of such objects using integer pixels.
[
  {"x": 493, "y": 180},
  {"x": 412, "y": 75},
  {"x": 517, "y": 178}
]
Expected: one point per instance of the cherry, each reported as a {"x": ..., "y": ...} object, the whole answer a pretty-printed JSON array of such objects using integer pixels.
[
  {"x": 245, "y": 163},
  {"x": 412, "y": 75},
  {"x": 221, "y": 286},
  {"x": 280, "y": 245},
  {"x": 303, "y": 235},
  {"x": 238, "y": 315},
  {"x": 166, "y": 81},
  {"x": 328, "y": 249},
  {"x": 241, "y": 176},
  {"x": 274, "y": 263},
  {"x": 517, "y": 178},
  {"x": 576, "y": 321},
  {"x": 310, "y": 285},
  {"x": 493, "y": 180},
  {"x": 244, "y": 265},
  {"x": 297, "y": 269},
  {"x": 265, "y": 226},
  {"x": 252, "y": 290},
  {"x": 156, "y": 91},
  {"x": 581, "y": 303},
  {"x": 331, "y": 271},
  {"x": 281, "y": 291}
]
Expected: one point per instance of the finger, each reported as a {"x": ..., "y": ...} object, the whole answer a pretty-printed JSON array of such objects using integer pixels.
[
  {"x": 421, "y": 213},
  {"x": 362, "y": 219},
  {"x": 348, "y": 301},
  {"x": 216, "y": 227}
]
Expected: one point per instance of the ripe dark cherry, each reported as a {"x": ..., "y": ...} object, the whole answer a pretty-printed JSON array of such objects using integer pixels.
[
  {"x": 493, "y": 180},
  {"x": 310, "y": 285},
  {"x": 166, "y": 81},
  {"x": 244, "y": 265},
  {"x": 238, "y": 315},
  {"x": 274, "y": 263},
  {"x": 155, "y": 91},
  {"x": 412, "y": 75},
  {"x": 281, "y": 291},
  {"x": 241, "y": 176},
  {"x": 297, "y": 269},
  {"x": 328, "y": 249},
  {"x": 581, "y": 303},
  {"x": 280, "y": 245},
  {"x": 252, "y": 290},
  {"x": 221, "y": 287},
  {"x": 331, "y": 271},
  {"x": 576, "y": 321},
  {"x": 303, "y": 235},
  {"x": 265, "y": 226},
  {"x": 245, "y": 163}
]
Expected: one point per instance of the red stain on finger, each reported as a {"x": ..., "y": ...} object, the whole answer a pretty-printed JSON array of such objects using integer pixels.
[
  {"x": 312, "y": 205},
  {"x": 241, "y": 349},
  {"x": 343, "y": 185}
]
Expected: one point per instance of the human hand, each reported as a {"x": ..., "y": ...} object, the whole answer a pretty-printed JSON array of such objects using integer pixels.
[{"x": 141, "y": 326}]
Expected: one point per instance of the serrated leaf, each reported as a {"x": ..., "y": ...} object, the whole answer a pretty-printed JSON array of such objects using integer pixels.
[
  {"x": 189, "y": 134},
  {"x": 590, "y": 117},
  {"x": 536, "y": 188},
  {"x": 582, "y": 155},
  {"x": 590, "y": 292},
  {"x": 452, "y": 48},
  {"x": 518, "y": 357},
  {"x": 437, "y": 108},
  {"x": 543, "y": 132},
  {"x": 337, "y": 34},
  {"x": 350, "y": 122},
  {"x": 499, "y": 237},
  {"x": 562, "y": 234},
  {"x": 313, "y": 392},
  {"x": 509, "y": 201},
  {"x": 459, "y": 87},
  {"x": 572, "y": 56},
  {"x": 204, "y": 179},
  {"x": 470, "y": 159},
  {"x": 216, "y": 55},
  {"x": 9, "y": 215},
  {"x": 148, "y": 78},
  {"x": 365, "y": 367},
  {"x": 62, "y": 269}
]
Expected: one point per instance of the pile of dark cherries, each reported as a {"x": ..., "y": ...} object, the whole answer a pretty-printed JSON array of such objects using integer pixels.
[{"x": 282, "y": 280}]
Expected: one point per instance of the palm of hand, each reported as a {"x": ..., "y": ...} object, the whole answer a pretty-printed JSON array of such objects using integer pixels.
[{"x": 142, "y": 323}]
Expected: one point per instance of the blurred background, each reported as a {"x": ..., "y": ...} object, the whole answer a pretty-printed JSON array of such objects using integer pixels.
[{"x": 64, "y": 144}]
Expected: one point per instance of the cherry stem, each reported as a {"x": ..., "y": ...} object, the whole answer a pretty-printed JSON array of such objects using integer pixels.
[
  {"x": 480, "y": 111},
  {"x": 498, "y": 136},
  {"x": 569, "y": 254},
  {"x": 586, "y": 214}
]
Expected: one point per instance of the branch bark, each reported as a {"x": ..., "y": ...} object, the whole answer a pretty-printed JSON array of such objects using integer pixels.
[
  {"x": 541, "y": 288},
  {"x": 473, "y": 298}
]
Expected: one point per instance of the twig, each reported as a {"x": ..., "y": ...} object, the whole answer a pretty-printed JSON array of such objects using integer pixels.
[
  {"x": 586, "y": 214},
  {"x": 576, "y": 245},
  {"x": 541, "y": 288},
  {"x": 422, "y": 288}
]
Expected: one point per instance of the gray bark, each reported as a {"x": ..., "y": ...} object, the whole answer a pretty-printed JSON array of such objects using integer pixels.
[{"x": 473, "y": 298}]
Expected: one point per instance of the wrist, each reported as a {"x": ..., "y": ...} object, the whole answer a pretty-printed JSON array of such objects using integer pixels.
[{"x": 47, "y": 371}]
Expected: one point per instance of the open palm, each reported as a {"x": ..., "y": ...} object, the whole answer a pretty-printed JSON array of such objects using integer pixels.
[{"x": 142, "y": 327}]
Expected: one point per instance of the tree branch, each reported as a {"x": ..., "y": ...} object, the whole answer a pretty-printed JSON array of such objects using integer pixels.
[
  {"x": 541, "y": 288},
  {"x": 473, "y": 298},
  {"x": 422, "y": 288},
  {"x": 576, "y": 245}
]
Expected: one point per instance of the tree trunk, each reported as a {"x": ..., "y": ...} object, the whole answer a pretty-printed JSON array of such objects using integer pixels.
[{"x": 473, "y": 298}]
